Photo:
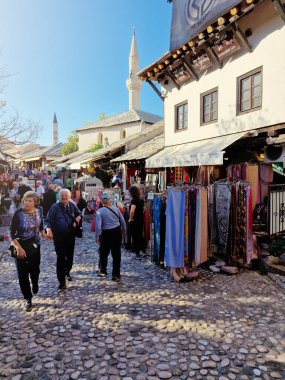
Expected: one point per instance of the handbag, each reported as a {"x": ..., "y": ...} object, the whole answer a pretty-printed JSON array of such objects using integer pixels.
[
  {"x": 12, "y": 251},
  {"x": 78, "y": 230},
  {"x": 30, "y": 246}
]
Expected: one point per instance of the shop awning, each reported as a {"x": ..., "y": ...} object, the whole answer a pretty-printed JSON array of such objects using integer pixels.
[
  {"x": 203, "y": 152},
  {"x": 143, "y": 151},
  {"x": 32, "y": 159}
]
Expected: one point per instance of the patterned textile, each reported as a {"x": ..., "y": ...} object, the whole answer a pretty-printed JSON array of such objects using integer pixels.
[
  {"x": 198, "y": 230},
  {"x": 25, "y": 225},
  {"x": 186, "y": 229},
  {"x": 222, "y": 213},
  {"x": 241, "y": 226},
  {"x": 249, "y": 249},
  {"x": 162, "y": 231},
  {"x": 157, "y": 202},
  {"x": 204, "y": 226},
  {"x": 174, "y": 242},
  {"x": 192, "y": 224}
]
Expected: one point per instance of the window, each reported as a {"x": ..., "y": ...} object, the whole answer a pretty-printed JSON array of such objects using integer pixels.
[
  {"x": 209, "y": 106},
  {"x": 181, "y": 116},
  {"x": 123, "y": 134},
  {"x": 250, "y": 91},
  {"x": 100, "y": 138}
]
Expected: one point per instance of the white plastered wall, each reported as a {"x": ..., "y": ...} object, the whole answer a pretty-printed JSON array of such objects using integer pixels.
[
  {"x": 268, "y": 41},
  {"x": 90, "y": 136}
]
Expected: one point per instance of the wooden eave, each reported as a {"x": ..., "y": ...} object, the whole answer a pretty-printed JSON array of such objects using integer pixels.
[{"x": 203, "y": 41}]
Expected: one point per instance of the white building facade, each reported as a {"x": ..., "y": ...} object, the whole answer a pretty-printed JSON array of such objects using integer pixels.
[{"x": 225, "y": 94}]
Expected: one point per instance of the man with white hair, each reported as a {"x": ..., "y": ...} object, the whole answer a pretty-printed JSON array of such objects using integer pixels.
[{"x": 61, "y": 222}]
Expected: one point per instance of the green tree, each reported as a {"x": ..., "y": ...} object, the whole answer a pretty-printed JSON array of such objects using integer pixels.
[
  {"x": 72, "y": 144},
  {"x": 102, "y": 116},
  {"x": 95, "y": 147}
]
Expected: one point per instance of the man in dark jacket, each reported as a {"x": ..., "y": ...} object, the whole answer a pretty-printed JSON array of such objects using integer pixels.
[
  {"x": 61, "y": 222},
  {"x": 49, "y": 198}
]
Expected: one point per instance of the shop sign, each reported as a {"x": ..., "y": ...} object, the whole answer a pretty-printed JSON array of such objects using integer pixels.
[
  {"x": 225, "y": 45},
  {"x": 180, "y": 74},
  {"x": 201, "y": 63}
]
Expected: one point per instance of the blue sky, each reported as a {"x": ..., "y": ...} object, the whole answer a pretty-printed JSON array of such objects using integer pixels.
[{"x": 71, "y": 57}]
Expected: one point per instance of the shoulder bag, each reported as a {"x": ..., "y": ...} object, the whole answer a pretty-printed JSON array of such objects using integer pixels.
[
  {"x": 78, "y": 230},
  {"x": 113, "y": 213}
]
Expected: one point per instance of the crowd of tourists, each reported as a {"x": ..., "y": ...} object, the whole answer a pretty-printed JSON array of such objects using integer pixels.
[{"x": 54, "y": 210}]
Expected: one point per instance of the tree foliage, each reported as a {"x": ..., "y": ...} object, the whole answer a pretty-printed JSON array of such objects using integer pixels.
[
  {"x": 13, "y": 128},
  {"x": 102, "y": 116},
  {"x": 72, "y": 144},
  {"x": 95, "y": 147}
]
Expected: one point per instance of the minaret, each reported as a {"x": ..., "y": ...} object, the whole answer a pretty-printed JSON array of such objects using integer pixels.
[
  {"x": 134, "y": 84},
  {"x": 55, "y": 130}
]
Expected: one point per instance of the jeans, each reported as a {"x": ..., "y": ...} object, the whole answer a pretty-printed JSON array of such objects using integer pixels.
[
  {"x": 111, "y": 241},
  {"x": 64, "y": 248}
]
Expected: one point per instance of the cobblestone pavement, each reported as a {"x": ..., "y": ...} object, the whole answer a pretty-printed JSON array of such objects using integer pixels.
[{"x": 145, "y": 327}]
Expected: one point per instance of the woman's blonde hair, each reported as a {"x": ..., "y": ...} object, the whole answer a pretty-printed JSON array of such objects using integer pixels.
[{"x": 32, "y": 194}]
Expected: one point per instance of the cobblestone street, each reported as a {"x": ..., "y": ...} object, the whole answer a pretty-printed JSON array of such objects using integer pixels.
[{"x": 145, "y": 327}]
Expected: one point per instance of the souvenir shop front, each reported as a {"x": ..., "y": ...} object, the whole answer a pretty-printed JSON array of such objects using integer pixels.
[
  {"x": 133, "y": 162},
  {"x": 211, "y": 209}
]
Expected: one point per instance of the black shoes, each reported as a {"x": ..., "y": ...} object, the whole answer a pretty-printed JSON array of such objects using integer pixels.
[
  {"x": 116, "y": 278},
  {"x": 61, "y": 287},
  {"x": 68, "y": 277},
  {"x": 35, "y": 288},
  {"x": 28, "y": 305}
]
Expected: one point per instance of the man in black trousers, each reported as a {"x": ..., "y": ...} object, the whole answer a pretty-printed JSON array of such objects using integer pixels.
[
  {"x": 61, "y": 222},
  {"x": 110, "y": 225}
]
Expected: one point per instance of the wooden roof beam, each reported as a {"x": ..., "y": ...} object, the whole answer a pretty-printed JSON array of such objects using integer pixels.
[
  {"x": 241, "y": 37},
  {"x": 212, "y": 55},
  {"x": 168, "y": 73},
  {"x": 190, "y": 69},
  {"x": 280, "y": 8},
  {"x": 155, "y": 89}
]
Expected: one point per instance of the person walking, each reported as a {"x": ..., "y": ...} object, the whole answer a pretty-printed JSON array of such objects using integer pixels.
[
  {"x": 61, "y": 221},
  {"x": 136, "y": 220},
  {"x": 40, "y": 189},
  {"x": 49, "y": 198},
  {"x": 110, "y": 225},
  {"x": 26, "y": 225}
]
